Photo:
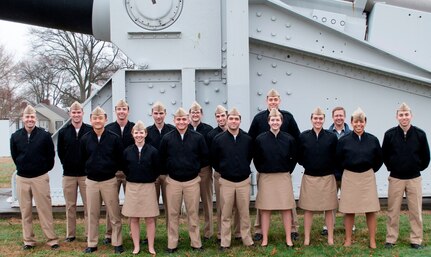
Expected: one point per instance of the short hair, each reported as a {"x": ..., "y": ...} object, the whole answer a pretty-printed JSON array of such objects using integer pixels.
[
  {"x": 180, "y": 112},
  {"x": 122, "y": 103},
  {"x": 76, "y": 106},
  {"x": 274, "y": 113},
  {"x": 317, "y": 111},
  {"x": 29, "y": 110},
  {"x": 338, "y": 108},
  {"x": 404, "y": 108},
  {"x": 195, "y": 107},
  {"x": 139, "y": 125},
  {"x": 234, "y": 112},
  {"x": 358, "y": 114},
  {"x": 158, "y": 106},
  {"x": 272, "y": 93},
  {"x": 220, "y": 109},
  {"x": 98, "y": 111}
]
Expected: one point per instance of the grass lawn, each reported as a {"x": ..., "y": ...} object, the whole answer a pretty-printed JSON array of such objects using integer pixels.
[
  {"x": 11, "y": 240},
  {"x": 7, "y": 167},
  {"x": 11, "y": 237}
]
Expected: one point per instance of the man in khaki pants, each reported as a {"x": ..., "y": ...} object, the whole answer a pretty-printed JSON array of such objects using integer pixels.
[
  {"x": 123, "y": 128},
  {"x": 206, "y": 173},
  {"x": 102, "y": 152},
  {"x": 221, "y": 118},
  {"x": 231, "y": 154},
  {"x": 405, "y": 153},
  {"x": 182, "y": 153},
  {"x": 33, "y": 153},
  {"x": 68, "y": 145}
]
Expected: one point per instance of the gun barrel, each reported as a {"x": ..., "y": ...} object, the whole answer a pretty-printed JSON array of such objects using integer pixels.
[{"x": 70, "y": 15}]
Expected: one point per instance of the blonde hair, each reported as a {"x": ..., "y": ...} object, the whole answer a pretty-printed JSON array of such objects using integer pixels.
[
  {"x": 195, "y": 107},
  {"x": 158, "y": 106},
  {"x": 358, "y": 114},
  {"x": 275, "y": 113},
  {"x": 404, "y": 108},
  {"x": 180, "y": 112},
  {"x": 318, "y": 111},
  {"x": 76, "y": 106},
  {"x": 122, "y": 103},
  {"x": 29, "y": 110},
  {"x": 139, "y": 125},
  {"x": 98, "y": 111},
  {"x": 272, "y": 93}
]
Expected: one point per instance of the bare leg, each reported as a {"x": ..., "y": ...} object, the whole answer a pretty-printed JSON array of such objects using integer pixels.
[
  {"x": 329, "y": 220},
  {"x": 349, "y": 220},
  {"x": 135, "y": 231},
  {"x": 151, "y": 233},
  {"x": 287, "y": 222},
  {"x": 265, "y": 217},
  {"x": 372, "y": 226},
  {"x": 308, "y": 221}
]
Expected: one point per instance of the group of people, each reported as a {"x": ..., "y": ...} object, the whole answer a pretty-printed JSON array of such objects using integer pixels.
[{"x": 183, "y": 161}]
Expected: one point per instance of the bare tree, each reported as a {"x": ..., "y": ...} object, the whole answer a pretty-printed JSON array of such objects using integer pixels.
[
  {"x": 9, "y": 101},
  {"x": 78, "y": 59},
  {"x": 40, "y": 81}
]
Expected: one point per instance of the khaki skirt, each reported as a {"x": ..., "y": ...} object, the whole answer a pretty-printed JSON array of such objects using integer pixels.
[
  {"x": 318, "y": 193},
  {"x": 140, "y": 200},
  {"x": 275, "y": 191},
  {"x": 359, "y": 192}
]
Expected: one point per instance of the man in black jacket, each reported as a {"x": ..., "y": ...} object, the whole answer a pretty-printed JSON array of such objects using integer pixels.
[
  {"x": 231, "y": 154},
  {"x": 182, "y": 153},
  {"x": 102, "y": 152},
  {"x": 68, "y": 147},
  {"x": 33, "y": 153},
  {"x": 405, "y": 153}
]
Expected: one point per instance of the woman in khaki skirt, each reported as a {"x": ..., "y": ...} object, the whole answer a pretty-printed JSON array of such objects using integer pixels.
[
  {"x": 275, "y": 159},
  {"x": 360, "y": 156},
  {"x": 318, "y": 187},
  {"x": 141, "y": 165}
]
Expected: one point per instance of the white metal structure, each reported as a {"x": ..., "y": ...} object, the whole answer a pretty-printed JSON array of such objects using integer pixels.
[{"x": 325, "y": 53}]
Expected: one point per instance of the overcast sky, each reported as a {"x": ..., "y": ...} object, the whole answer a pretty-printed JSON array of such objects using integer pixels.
[{"x": 13, "y": 37}]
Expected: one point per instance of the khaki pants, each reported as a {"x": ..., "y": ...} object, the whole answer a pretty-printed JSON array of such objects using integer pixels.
[
  {"x": 236, "y": 229},
  {"x": 413, "y": 190},
  {"x": 175, "y": 191},
  {"x": 206, "y": 189},
  {"x": 70, "y": 192},
  {"x": 37, "y": 188},
  {"x": 121, "y": 180},
  {"x": 257, "y": 227},
  {"x": 106, "y": 191},
  {"x": 161, "y": 187},
  {"x": 229, "y": 193}
]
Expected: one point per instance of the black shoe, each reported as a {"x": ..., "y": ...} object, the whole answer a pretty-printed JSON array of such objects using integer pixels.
[
  {"x": 223, "y": 249},
  {"x": 324, "y": 232},
  {"x": 90, "y": 249},
  {"x": 69, "y": 239},
  {"x": 218, "y": 240},
  {"x": 238, "y": 238},
  {"x": 55, "y": 246},
  {"x": 118, "y": 249},
  {"x": 171, "y": 250},
  {"x": 107, "y": 241},
  {"x": 144, "y": 241},
  {"x": 257, "y": 237},
  {"x": 389, "y": 245},
  {"x": 197, "y": 249},
  {"x": 289, "y": 246},
  {"x": 27, "y": 247},
  {"x": 294, "y": 236},
  {"x": 416, "y": 246}
]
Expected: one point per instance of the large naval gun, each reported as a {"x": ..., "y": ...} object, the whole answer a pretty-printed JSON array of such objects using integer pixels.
[{"x": 327, "y": 53}]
